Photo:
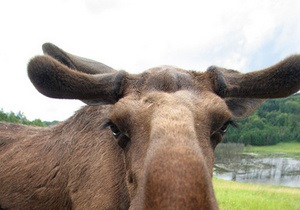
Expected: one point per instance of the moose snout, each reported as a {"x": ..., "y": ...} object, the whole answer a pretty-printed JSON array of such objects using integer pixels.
[{"x": 177, "y": 179}]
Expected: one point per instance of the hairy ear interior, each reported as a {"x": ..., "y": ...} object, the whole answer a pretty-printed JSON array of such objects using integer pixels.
[
  {"x": 76, "y": 62},
  {"x": 242, "y": 107},
  {"x": 56, "y": 80}
]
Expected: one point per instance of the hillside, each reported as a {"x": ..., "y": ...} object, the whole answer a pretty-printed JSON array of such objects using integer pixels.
[{"x": 277, "y": 120}]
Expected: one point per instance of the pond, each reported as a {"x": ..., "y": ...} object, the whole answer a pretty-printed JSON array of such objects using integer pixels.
[{"x": 263, "y": 170}]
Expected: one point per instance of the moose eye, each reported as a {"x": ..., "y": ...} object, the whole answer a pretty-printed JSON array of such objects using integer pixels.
[
  {"x": 115, "y": 130},
  {"x": 121, "y": 138},
  {"x": 224, "y": 128},
  {"x": 217, "y": 136}
]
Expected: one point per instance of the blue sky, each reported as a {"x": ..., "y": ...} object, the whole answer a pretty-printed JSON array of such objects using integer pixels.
[{"x": 135, "y": 35}]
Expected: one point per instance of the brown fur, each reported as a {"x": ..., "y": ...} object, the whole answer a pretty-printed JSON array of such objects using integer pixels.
[
  {"x": 166, "y": 120},
  {"x": 52, "y": 168}
]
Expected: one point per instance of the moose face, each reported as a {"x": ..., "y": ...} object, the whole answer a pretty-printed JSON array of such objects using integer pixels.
[{"x": 169, "y": 142}]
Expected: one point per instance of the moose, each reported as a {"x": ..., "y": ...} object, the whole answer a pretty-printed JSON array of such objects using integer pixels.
[{"x": 143, "y": 141}]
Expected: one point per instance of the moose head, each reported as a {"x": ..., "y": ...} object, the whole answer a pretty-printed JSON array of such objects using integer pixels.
[{"x": 167, "y": 120}]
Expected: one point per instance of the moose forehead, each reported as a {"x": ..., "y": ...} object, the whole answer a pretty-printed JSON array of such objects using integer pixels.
[
  {"x": 182, "y": 87},
  {"x": 172, "y": 88},
  {"x": 166, "y": 78},
  {"x": 205, "y": 103}
]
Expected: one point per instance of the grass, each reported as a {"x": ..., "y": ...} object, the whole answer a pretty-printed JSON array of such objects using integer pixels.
[
  {"x": 234, "y": 195},
  {"x": 290, "y": 149}
]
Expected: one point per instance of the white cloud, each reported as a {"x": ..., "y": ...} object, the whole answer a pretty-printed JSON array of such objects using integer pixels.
[{"x": 135, "y": 35}]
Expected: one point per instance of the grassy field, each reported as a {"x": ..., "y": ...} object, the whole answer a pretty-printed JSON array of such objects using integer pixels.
[
  {"x": 235, "y": 195},
  {"x": 291, "y": 149}
]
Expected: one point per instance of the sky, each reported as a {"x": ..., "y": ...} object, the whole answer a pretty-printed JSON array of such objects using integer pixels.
[{"x": 135, "y": 35}]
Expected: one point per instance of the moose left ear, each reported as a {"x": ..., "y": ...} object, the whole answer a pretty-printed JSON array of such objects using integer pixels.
[{"x": 55, "y": 80}]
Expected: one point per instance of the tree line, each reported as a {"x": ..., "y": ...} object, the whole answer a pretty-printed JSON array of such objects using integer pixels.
[
  {"x": 277, "y": 120},
  {"x": 21, "y": 119}
]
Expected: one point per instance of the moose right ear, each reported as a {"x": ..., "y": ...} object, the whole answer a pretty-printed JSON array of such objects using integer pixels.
[
  {"x": 244, "y": 93},
  {"x": 75, "y": 62},
  {"x": 55, "y": 80},
  {"x": 277, "y": 81}
]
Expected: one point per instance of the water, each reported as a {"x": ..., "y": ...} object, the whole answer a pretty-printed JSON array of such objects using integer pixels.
[{"x": 267, "y": 170}]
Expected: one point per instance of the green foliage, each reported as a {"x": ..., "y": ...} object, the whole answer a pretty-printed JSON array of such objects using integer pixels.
[
  {"x": 20, "y": 118},
  {"x": 277, "y": 120}
]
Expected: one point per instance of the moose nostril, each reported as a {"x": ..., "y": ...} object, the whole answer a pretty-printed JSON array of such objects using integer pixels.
[{"x": 130, "y": 178}]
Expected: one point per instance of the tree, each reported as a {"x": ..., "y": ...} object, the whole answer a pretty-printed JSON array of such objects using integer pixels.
[{"x": 19, "y": 118}]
